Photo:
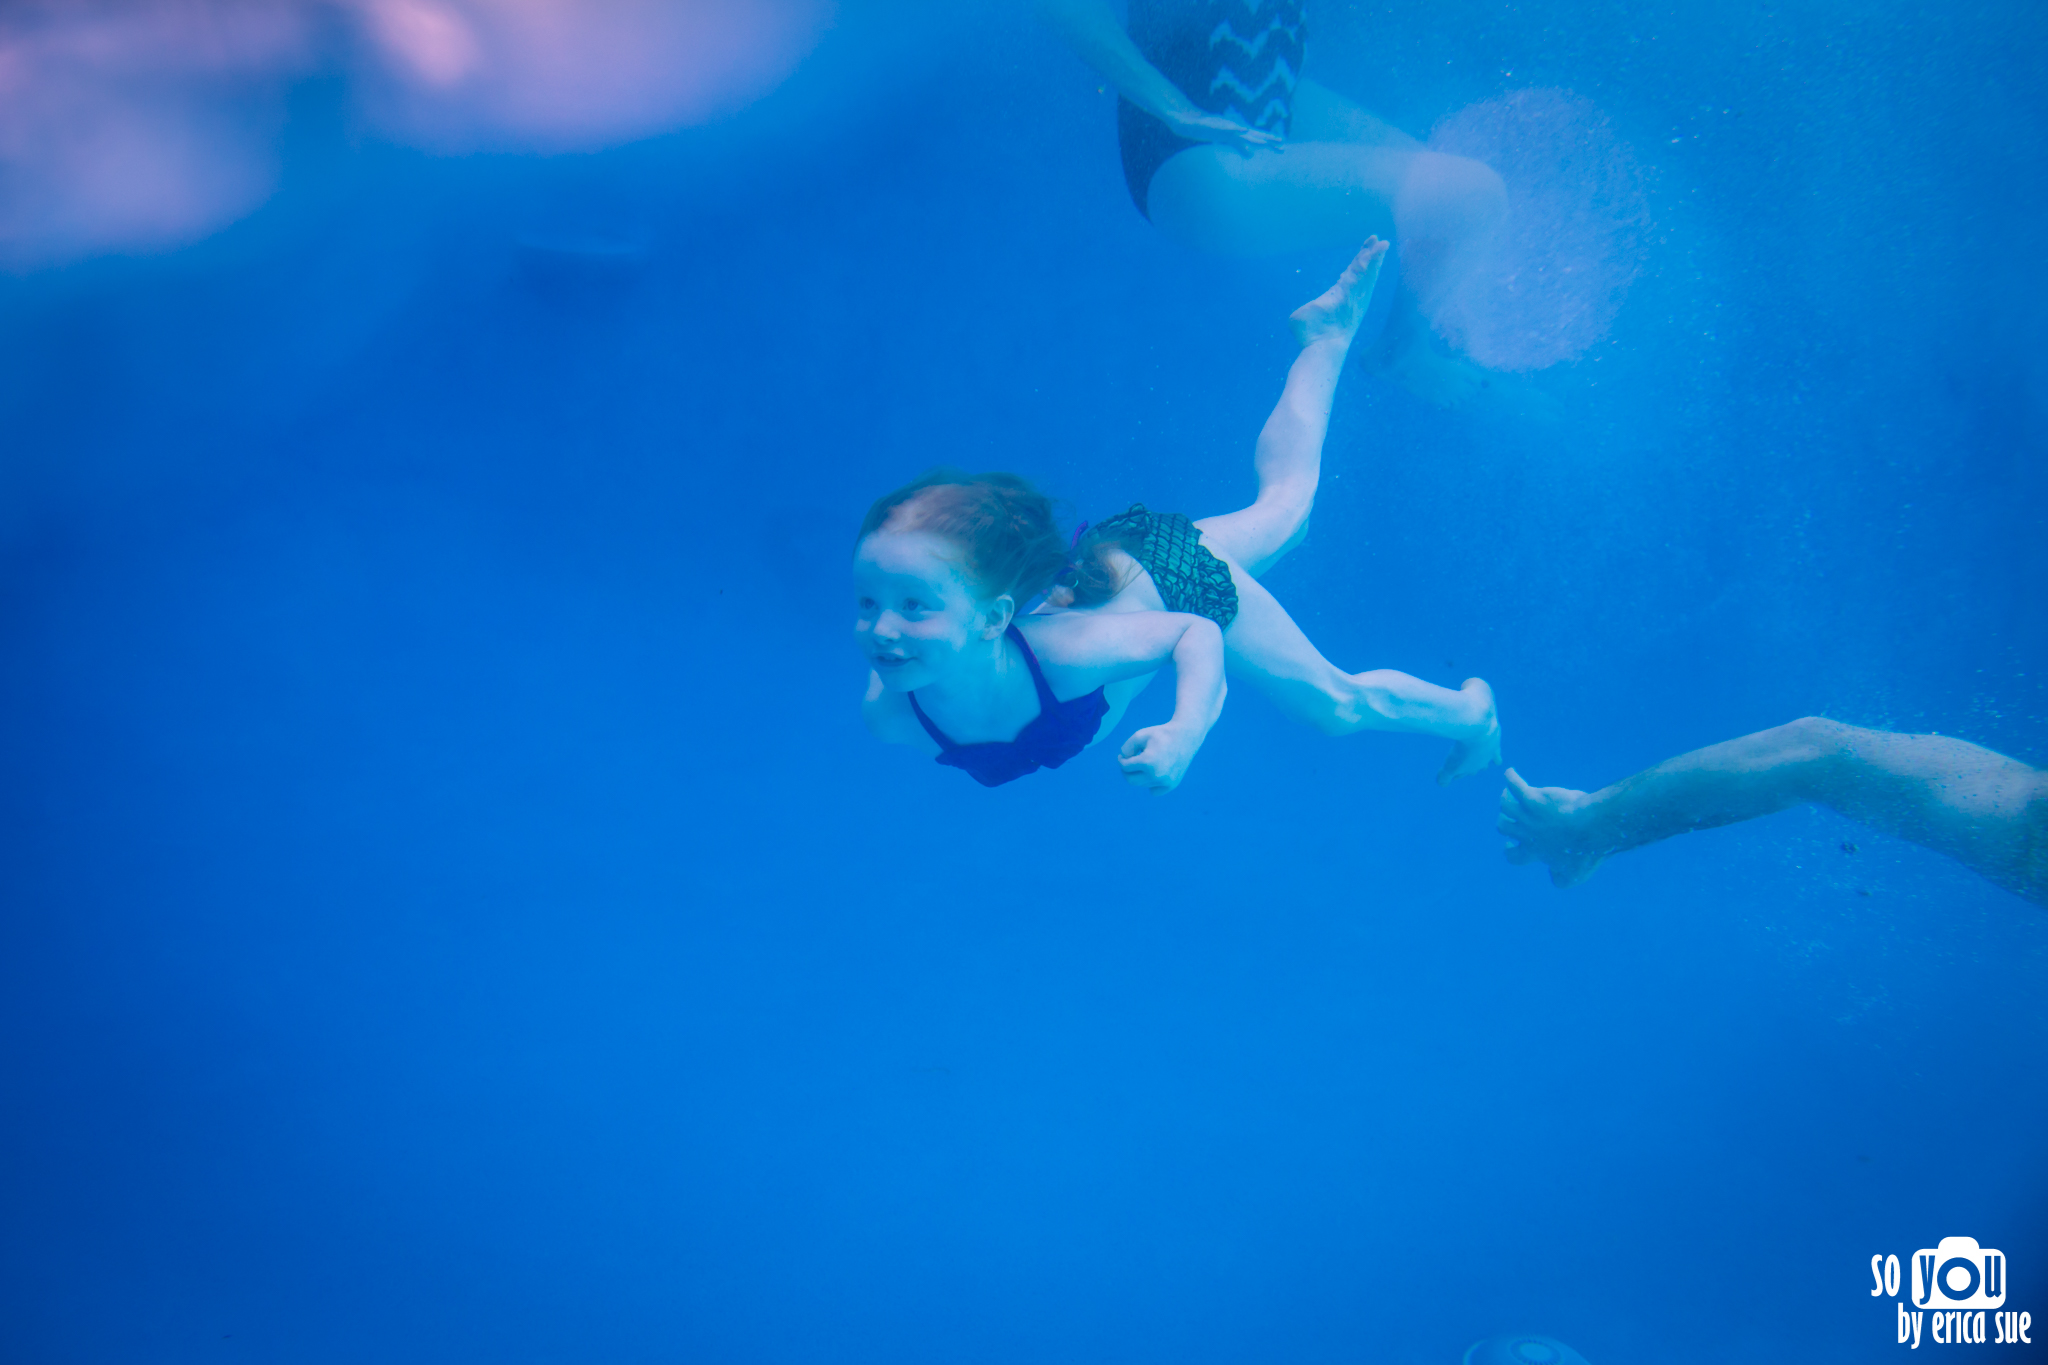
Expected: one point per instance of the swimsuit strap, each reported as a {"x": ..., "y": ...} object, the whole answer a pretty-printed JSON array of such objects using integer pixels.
[
  {"x": 1066, "y": 577},
  {"x": 1046, "y": 700},
  {"x": 946, "y": 745}
]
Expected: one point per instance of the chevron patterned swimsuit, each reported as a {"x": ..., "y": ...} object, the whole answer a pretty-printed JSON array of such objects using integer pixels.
[{"x": 1239, "y": 58}]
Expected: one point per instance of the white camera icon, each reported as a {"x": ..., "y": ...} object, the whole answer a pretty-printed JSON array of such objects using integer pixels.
[{"x": 1958, "y": 1274}]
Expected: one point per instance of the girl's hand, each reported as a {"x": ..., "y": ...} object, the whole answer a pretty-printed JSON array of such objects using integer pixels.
[
  {"x": 1157, "y": 756},
  {"x": 1197, "y": 125}
]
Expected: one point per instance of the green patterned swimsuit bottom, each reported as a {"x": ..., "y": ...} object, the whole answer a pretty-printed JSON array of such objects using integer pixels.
[{"x": 1188, "y": 577}]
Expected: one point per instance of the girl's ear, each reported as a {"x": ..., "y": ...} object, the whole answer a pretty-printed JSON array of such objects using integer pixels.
[{"x": 998, "y": 615}]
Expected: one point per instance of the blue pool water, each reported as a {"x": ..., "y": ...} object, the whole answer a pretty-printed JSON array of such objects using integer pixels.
[{"x": 454, "y": 913}]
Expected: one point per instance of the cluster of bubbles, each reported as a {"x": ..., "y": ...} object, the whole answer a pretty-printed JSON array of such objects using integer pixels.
[{"x": 1578, "y": 213}]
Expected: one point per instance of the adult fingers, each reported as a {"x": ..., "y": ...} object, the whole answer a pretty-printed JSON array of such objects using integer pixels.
[{"x": 1524, "y": 793}]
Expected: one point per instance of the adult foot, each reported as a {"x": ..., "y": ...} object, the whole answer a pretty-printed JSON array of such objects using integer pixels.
[
  {"x": 1408, "y": 352},
  {"x": 1547, "y": 825},
  {"x": 1336, "y": 314},
  {"x": 1482, "y": 750}
]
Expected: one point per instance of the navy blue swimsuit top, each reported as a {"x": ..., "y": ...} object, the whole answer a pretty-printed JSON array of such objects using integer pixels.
[{"x": 1060, "y": 730}]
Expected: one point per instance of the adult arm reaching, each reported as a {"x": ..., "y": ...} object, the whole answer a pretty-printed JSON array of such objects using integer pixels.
[{"x": 1985, "y": 810}]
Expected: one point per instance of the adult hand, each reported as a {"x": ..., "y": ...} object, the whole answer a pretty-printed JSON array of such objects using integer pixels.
[
  {"x": 1157, "y": 757},
  {"x": 1548, "y": 825},
  {"x": 1199, "y": 126}
]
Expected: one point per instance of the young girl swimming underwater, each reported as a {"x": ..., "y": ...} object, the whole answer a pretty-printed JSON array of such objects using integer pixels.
[{"x": 999, "y": 651}]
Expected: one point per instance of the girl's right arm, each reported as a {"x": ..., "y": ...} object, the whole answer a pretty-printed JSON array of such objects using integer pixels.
[{"x": 1092, "y": 30}]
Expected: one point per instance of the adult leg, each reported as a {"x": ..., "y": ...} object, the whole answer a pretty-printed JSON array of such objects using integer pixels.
[
  {"x": 1985, "y": 810},
  {"x": 1343, "y": 175},
  {"x": 1323, "y": 115},
  {"x": 1305, "y": 195},
  {"x": 1443, "y": 210},
  {"x": 1440, "y": 189},
  {"x": 1403, "y": 348}
]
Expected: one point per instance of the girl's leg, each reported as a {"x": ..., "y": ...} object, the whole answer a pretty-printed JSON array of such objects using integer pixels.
[
  {"x": 1289, "y": 455},
  {"x": 1263, "y": 643},
  {"x": 1266, "y": 647}
]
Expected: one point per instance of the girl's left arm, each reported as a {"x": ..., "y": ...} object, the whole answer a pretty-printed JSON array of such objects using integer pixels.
[
  {"x": 1092, "y": 648},
  {"x": 1157, "y": 757}
]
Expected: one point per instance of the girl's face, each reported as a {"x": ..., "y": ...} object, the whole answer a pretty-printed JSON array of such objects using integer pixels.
[{"x": 920, "y": 616}]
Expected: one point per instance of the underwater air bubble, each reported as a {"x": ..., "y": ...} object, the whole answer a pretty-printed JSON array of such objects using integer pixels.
[{"x": 1574, "y": 240}]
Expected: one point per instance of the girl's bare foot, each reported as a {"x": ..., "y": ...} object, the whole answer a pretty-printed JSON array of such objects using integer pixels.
[
  {"x": 1336, "y": 314},
  {"x": 1548, "y": 824},
  {"x": 1481, "y": 751}
]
